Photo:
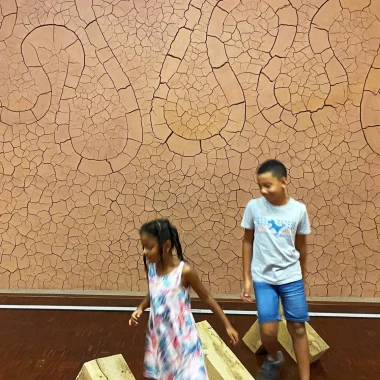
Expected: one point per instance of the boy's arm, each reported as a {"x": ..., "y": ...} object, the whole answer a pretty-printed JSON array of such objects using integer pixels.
[
  {"x": 247, "y": 253},
  {"x": 247, "y": 260},
  {"x": 303, "y": 230},
  {"x": 301, "y": 247}
]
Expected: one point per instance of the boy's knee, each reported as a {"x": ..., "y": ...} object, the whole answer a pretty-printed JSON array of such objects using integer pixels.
[
  {"x": 296, "y": 329},
  {"x": 269, "y": 331}
]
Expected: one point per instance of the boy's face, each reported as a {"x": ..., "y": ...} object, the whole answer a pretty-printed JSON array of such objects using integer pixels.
[{"x": 271, "y": 187}]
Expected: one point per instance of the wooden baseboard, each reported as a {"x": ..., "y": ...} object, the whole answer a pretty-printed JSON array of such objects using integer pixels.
[
  {"x": 321, "y": 305},
  {"x": 111, "y": 294}
]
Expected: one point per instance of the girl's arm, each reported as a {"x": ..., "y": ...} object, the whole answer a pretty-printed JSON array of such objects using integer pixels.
[
  {"x": 190, "y": 279},
  {"x": 145, "y": 303},
  {"x": 134, "y": 321}
]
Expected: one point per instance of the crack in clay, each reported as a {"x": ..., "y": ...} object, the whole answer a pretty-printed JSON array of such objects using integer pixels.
[{"x": 113, "y": 115}]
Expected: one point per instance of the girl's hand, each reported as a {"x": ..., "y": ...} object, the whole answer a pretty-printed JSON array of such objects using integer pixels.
[
  {"x": 134, "y": 321},
  {"x": 233, "y": 334}
]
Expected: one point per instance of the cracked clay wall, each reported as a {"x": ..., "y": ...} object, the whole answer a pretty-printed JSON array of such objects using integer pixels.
[{"x": 113, "y": 112}]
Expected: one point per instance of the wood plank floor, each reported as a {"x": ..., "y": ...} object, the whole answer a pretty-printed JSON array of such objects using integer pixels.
[{"x": 53, "y": 345}]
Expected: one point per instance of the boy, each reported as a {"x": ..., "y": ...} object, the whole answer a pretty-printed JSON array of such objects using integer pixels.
[{"x": 275, "y": 235}]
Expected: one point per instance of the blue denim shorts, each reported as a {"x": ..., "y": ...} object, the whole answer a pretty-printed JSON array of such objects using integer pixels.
[{"x": 293, "y": 300}]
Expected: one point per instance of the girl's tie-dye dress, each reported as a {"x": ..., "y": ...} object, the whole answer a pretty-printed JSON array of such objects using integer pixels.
[{"x": 173, "y": 347}]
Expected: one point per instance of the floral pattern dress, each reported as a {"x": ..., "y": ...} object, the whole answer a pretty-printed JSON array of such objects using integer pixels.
[{"x": 173, "y": 348}]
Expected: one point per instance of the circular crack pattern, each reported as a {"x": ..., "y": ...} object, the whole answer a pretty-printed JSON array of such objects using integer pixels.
[{"x": 115, "y": 112}]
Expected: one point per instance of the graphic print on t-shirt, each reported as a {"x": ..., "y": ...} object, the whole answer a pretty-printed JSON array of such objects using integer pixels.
[{"x": 274, "y": 226}]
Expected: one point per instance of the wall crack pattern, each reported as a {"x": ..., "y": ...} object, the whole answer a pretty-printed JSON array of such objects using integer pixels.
[{"x": 113, "y": 112}]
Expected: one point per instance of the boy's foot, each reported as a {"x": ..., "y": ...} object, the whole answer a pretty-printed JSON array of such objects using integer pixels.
[{"x": 270, "y": 370}]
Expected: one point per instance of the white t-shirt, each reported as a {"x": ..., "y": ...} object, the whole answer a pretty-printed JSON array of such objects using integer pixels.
[{"x": 275, "y": 258}]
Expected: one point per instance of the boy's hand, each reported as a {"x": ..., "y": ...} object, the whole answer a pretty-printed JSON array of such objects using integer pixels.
[
  {"x": 247, "y": 291},
  {"x": 134, "y": 321},
  {"x": 233, "y": 334}
]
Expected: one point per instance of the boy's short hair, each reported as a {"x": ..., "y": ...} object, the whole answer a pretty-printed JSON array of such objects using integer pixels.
[{"x": 275, "y": 167}]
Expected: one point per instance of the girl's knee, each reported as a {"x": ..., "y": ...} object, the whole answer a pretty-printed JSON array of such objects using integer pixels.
[{"x": 296, "y": 329}]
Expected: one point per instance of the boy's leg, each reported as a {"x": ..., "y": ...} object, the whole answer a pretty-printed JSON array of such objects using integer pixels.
[
  {"x": 296, "y": 313},
  {"x": 297, "y": 331},
  {"x": 267, "y": 307},
  {"x": 268, "y": 334}
]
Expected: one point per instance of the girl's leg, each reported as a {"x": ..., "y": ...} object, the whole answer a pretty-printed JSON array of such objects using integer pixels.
[{"x": 296, "y": 313}]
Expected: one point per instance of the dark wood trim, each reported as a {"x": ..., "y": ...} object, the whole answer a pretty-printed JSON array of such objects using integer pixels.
[{"x": 131, "y": 301}]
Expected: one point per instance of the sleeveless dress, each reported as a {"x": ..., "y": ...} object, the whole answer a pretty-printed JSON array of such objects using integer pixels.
[{"x": 173, "y": 348}]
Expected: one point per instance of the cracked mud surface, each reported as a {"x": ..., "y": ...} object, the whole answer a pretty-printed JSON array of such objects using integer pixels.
[{"x": 113, "y": 112}]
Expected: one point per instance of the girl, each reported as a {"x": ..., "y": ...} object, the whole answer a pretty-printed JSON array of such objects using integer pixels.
[{"x": 173, "y": 347}]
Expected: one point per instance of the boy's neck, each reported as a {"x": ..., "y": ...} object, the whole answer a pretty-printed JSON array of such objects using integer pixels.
[{"x": 281, "y": 201}]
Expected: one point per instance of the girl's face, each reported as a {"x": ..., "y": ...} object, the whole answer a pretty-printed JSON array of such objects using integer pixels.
[{"x": 151, "y": 248}]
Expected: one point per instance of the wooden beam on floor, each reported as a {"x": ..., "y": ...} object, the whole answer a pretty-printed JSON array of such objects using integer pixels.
[
  {"x": 112, "y": 367},
  {"x": 317, "y": 346},
  {"x": 221, "y": 362}
]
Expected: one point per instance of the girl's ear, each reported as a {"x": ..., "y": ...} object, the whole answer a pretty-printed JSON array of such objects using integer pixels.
[{"x": 167, "y": 247}]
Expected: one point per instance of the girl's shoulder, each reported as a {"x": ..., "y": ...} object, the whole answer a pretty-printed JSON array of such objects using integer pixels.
[
  {"x": 188, "y": 272},
  {"x": 186, "y": 268},
  {"x": 151, "y": 270}
]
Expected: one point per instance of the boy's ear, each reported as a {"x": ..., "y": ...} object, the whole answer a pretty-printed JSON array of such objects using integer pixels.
[{"x": 284, "y": 182}]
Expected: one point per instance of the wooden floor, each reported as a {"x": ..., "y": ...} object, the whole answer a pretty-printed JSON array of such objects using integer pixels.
[{"x": 53, "y": 345}]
